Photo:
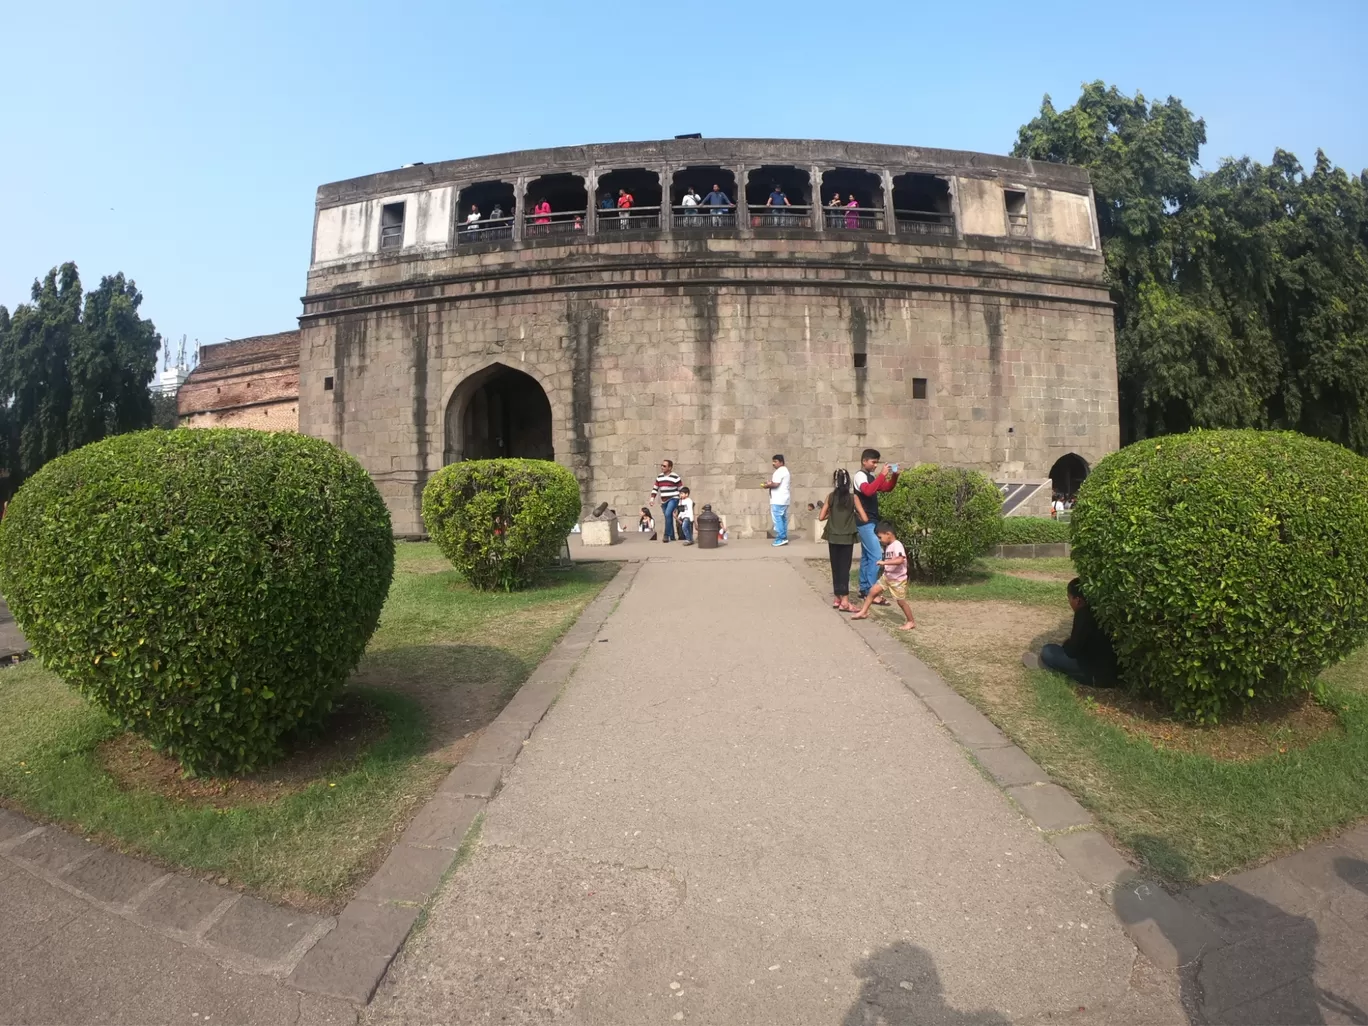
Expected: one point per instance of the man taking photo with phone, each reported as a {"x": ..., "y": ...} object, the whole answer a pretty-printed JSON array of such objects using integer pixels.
[{"x": 869, "y": 484}]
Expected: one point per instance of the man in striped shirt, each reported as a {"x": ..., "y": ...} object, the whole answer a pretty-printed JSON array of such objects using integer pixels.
[{"x": 666, "y": 488}]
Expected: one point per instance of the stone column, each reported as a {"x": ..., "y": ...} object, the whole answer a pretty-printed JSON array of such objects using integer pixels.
[
  {"x": 890, "y": 213},
  {"x": 519, "y": 202},
  {"x": 591, "y": 216},
  {"x": 666, "y": 173},
  {"x": 742, "y": 212},
  {"x": 955, "y": 207},
  {"x": 818, "y": 203}
]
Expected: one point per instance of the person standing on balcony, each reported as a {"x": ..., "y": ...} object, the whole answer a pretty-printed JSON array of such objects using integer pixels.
[
  {"x": 834, "y": 211},
  {"x": 778, "y": 199},
  {"x": 719, "y": 202},
  {"x": 624, "y": 203},
  {"x": 690, "y": 205},
  {"x": 852, "y": 218},
  {"x": 473, "y": 219},
  {"x": 666, "y": 489},
  {"x": 543, "y": 211}
]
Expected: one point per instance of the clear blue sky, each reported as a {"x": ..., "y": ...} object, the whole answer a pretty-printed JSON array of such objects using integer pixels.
[{"x": 182, "y": 142}]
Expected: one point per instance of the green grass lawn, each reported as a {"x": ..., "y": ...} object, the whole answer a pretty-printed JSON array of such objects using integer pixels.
[
  {"x": 443, "y": 662},
  {"x": 1152, "y": 783}
]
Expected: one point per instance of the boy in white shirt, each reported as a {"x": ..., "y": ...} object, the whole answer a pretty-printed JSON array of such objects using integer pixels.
[{"x": 685, "y": 512}]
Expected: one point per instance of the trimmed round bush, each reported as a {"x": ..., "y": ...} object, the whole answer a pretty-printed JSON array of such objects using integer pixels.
[
  {"x": 210, "y": 589},
  {"x": 1033, "y": 531},
  {"x": 1227, "y": 566},
  {"x": 501, "y": 521},
  {"x": 946, "y": 517}
]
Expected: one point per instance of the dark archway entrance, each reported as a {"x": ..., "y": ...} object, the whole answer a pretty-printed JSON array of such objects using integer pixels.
[
  {"x": 1068, "y": 473},
  {"x": 498, "y": 413}
]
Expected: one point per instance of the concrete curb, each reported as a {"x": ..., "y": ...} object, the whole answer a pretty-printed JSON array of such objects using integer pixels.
[
  {"x": 1165, "y": 929},
  {"x": 350, "y": 961}
]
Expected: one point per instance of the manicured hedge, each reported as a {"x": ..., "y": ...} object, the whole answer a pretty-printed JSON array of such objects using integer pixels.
[
  {"x": 501, "y": 521},
  {"x": 1228, "y": 566},
  {"x": 1033, "y": 531},
  {"x": 946, "y": 517},
  {"x": 211, "y": 589}
]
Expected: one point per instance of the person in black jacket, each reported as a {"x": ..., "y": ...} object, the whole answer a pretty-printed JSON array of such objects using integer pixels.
[{"x": 1086, "y": 654}]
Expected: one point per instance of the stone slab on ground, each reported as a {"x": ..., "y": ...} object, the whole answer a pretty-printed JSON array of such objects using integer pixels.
[
  {"x": 1293, "y": 938},
  {"x": 778, "y": 827},
  {"x": 12, "y": 643}
]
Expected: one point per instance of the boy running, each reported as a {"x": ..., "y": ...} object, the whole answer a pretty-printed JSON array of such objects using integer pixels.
[{"x": 893, "y": 579}]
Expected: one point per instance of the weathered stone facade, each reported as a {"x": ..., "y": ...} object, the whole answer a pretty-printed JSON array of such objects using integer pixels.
[
  {"x": 714, "y": 347},
  {"x": 252, "y": 382}
]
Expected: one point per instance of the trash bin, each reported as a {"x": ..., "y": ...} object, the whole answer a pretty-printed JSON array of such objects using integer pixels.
[{"x": 708, "y": 525}]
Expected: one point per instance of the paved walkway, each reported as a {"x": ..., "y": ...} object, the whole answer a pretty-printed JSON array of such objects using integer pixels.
[
  {"x": 12, "y": 641},
  {"x": 736, "y": 814}
]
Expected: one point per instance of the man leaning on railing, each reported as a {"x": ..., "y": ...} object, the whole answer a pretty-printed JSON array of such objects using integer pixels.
[{"x": 719, "y": 203}]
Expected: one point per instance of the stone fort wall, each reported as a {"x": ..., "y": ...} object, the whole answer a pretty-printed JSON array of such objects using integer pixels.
[{"x": 991, "y": 352}]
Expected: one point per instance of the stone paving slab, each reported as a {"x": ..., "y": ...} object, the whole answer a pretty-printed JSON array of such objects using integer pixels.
[
  {"x": 185, "y": 904},
  {"x": 114, "y": 878},
  {"x": 1050, "y": 806},
  {"x": 12, "y": 643},
  {"x": 1009, "y": 766}
]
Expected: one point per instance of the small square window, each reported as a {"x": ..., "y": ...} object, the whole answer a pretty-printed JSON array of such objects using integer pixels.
[
  {"x": 861, "y": 359},
  {"x": 918, "y": 388},
  {"x": 392, "y": 226},
  {"x": 327, "y": 384}
]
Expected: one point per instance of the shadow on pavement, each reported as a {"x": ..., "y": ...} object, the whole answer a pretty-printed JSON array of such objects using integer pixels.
[
  {"x": 1251, "y": 958},
  {"x": 902, "y": 988},
  {"x": 1354, "y": 872}
]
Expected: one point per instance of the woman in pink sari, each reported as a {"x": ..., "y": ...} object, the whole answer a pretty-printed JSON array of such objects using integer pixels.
[
  {"x": 543, "y": 212},
  {"x": 852, "y": 220}
]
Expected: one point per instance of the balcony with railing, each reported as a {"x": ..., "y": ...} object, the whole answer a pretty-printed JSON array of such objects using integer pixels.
[
  {"x": 484, "y": 229},
  {"x": 699, "y": 218},
  {"x": 628, "y": 220},
  {"x": 925, "y": 222},
  {"x": 853, "y": 219},
  {"x": 544, "y": 223}
]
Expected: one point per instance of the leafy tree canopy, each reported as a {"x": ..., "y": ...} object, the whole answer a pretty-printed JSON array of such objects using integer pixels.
[
  {"x": 74, "y": 367},
  {"x": 1242, "y": 294}
]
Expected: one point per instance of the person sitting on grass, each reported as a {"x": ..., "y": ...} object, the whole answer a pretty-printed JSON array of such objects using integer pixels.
[
  {"x": 893, "y": 579},
  {"x": 1086, "y": 655}
]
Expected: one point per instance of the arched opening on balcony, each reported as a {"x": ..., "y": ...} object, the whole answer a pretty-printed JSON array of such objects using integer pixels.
[
  {"x": 715, "y": 188},
  {"x": 1067, "y": 474},
  {"x": 499, "y": 412},
  {"x": 644, "y": 212},
  {"x": 485, "y": 212},
  {"x": 555, "y": 205},
  {"x": 852, "y": 200},
  {"x": 779, "y": 197},
  {"x": 922, "y": 205}
]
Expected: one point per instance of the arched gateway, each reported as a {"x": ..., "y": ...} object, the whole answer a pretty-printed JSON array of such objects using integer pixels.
[{"x": 499, "y": 412}]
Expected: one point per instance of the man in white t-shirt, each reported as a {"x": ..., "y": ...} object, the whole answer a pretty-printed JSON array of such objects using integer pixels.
[{"x": 778, "y": 484}]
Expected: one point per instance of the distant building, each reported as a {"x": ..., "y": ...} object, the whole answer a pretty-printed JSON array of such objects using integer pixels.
[
  {"x": 170, "y": 380},
  {"x": 252, "y": 382}
]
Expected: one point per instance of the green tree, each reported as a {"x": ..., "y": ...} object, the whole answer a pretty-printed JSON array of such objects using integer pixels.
[
  {"x": 1242, "y": 295},
  {"x": 113, "y": 360},
  {"x": 74, "y": 367}
]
